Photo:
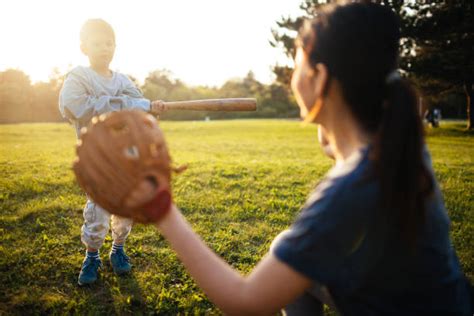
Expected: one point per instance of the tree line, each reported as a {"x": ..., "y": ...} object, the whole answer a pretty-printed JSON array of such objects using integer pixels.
[
  {"x": 436, "y": 54},
  {"x": 436, "y": 49},
  {"x": 24, "y": 101}
]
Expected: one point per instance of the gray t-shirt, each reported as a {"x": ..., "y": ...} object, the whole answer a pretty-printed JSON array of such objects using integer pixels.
[
  {"x": 86, "y": 94},
  {"x": 344, "y": 240}
]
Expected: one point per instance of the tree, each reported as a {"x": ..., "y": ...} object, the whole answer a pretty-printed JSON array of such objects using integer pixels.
[
  {"x": 436, "y": 45},
  {"x": 158, "y": 85},
  {"x": 284, "y": 37},
  {"x": 15, "y": 96},
  {"x": 439, "y": 46},
  {"x": 44, "y": 103}
]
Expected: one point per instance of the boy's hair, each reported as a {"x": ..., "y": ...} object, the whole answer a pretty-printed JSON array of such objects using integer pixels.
[{"x": 92, "y": 26}]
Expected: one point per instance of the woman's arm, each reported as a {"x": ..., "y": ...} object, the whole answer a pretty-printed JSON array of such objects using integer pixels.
[{"x": 271, "y": 285}]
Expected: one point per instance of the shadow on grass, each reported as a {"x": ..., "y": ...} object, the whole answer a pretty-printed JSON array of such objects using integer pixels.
[
  {"x": 30, "y": 194},
  {"x": 95, "y": 299},
  {"x": 129, "y": 287},
  {"x": 110, "y": 295}
]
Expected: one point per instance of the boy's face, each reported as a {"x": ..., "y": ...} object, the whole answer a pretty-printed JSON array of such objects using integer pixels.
[{"x": 100, "y": 48}]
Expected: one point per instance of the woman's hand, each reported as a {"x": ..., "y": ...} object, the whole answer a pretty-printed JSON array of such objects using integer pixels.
[{"x": 144, "y": 192}]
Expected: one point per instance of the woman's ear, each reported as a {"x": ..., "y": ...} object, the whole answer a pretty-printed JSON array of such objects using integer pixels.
[{"x": 320, "y": 79}]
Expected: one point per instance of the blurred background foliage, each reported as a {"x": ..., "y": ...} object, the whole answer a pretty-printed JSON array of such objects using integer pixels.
[{"x": 436, "y": 54}]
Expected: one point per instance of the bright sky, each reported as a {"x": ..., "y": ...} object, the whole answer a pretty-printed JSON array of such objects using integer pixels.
[{"x": 202, "y": 42}]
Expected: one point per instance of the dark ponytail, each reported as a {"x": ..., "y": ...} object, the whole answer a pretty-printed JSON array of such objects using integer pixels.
[
  {"x": 359, "y": 45},
  {"x": 398, "y": 154}
]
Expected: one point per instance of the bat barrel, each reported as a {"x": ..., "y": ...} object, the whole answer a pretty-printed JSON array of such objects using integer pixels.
[{"x": 229, "y": 104}]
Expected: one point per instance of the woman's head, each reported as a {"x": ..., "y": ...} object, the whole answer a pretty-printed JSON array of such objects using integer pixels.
[
  {"x": 355, "y": 45},
  {"x": 353, "y": 49}
]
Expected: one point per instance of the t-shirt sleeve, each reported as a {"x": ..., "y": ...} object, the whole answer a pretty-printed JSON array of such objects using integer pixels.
[{"x": 329, "y": 240}]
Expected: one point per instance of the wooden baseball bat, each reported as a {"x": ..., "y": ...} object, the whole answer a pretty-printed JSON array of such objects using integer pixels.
[{"x": 229, "y": 104}]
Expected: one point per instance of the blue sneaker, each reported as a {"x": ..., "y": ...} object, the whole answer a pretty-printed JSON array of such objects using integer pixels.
[
  {"x": 89, "y": 271},
  {"x": 120, "y": 262}
]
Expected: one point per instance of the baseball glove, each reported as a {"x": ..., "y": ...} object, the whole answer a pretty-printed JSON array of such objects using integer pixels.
[{"x": 118, "y": 151}]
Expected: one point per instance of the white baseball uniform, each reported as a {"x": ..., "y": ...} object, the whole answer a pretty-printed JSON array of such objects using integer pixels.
[{"x": 84, "y": 95}]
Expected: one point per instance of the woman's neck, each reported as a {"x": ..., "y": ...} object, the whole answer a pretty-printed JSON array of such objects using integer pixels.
[
  {"x": 343, "y": 132},
  {"x": 346, "y": 141}
]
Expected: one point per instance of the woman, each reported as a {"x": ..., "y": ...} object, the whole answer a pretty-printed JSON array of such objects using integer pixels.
[{"x": 373, "y": 236}]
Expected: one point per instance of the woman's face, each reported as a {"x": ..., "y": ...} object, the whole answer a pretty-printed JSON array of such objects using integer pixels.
[{"x": 303, "y": 83}]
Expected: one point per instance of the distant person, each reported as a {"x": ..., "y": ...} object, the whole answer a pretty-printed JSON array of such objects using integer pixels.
[
  {"x": 373, "y": 236},
  {"x": 437, "y": 116},
  {"x": 433, "y": 117},
  {"x": 87, "y": 92}
]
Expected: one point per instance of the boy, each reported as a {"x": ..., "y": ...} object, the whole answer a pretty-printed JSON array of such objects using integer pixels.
[{"x": 91, "y": 91}]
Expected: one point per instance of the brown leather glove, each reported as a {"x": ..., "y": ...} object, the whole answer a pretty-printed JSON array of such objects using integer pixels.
[{"x": 118, "y": 151}]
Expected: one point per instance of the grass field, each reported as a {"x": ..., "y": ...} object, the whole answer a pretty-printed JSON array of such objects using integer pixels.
[{"x": 245, "y": 182}]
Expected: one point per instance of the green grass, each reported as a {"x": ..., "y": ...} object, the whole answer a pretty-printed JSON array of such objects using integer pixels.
[{"x": 245, "y": 183}]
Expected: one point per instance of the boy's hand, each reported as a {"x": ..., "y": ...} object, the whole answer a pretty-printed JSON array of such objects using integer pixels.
[{"x": 157, "y": 107}]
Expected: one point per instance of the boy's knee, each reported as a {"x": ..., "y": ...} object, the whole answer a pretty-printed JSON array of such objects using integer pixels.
[
  {"x": 94, "y": 215},
  {"x": 93, "y": 234}
]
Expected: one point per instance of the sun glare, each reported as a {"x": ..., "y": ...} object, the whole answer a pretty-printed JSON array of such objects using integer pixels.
[{"x": 200, "y": 42}]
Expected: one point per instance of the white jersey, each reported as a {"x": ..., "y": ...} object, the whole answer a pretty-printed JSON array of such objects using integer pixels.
[{"x": 86, "y": 94}]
